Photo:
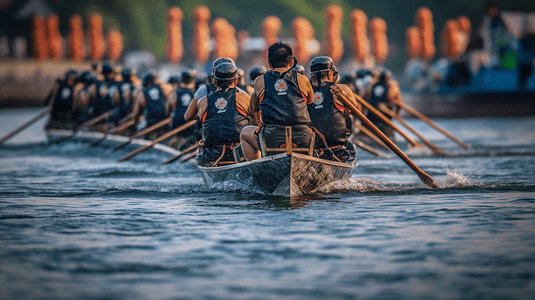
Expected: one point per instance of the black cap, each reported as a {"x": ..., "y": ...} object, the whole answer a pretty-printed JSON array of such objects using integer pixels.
[
  {"x": 225, "y": 71},
  {"x": 221, "y": 60},
  {"x": 127, "y": 73},
  {"x": 300, "y": 69},
  {"x": 363, "y": 73},
  {"x": 346, "y": 78},
  {"x": 173, "y": 79},
  {"x": 256, "y": 71},
  {"x": 71, "y": 73},
  {"x": 321, "y": 63},
  {"x": 188, "y": 75},
  {"x": 149, "y": 78},
  {"x": 107, "y": 69},
  {"x": 87, "y": 77},
  {"x": 384, "y": 74}
]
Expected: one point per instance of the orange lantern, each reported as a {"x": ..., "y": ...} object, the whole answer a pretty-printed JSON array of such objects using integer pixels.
[
  {"x": 174, "y": 47},
  {"x": 201, "y": 33},
  {"x": 303, "y": 33},
  {"x": 413, "y": 42},
  {"x": 271, "y": 27},
  {"x": 359, "y": 25},
  {"x": 450, "y": 37},
  {"x": 225, "y": 39},
  {"x": 39, "y": 44},
  {"x": 114, "y": 43},
  {"x": 243, "y": 35},
  {"x": 379, "y": 39},
  {"x": 76, "y": 38},
  {"x": 55, "y": 44},
  {"x": 334, "y": 46},
  {"x": 96, "y": 37},
  {"x": 424, "y": 21}
]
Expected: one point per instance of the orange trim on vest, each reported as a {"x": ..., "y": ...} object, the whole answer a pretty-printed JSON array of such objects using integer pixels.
[
  {"x": 340, "y": 108},
  {"x": 204, "y": 116},
  {"x": 262, "y": 96}
]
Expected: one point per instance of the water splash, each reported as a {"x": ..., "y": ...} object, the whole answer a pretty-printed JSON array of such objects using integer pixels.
[{"x": 454, "y": 179}]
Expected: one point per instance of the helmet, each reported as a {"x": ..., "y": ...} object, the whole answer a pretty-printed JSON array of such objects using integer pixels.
[
  {"x": 220, "y": 61},
  {"x": 241, "y": 73},
  {"x": 256, "y": 71},
  {"x": 107, "y": 69},
  {"x": 149, "y": 78},
  {"x": 225, "y": 71},
  {"x": 321, "y": 63},
  {"x": 384, "y": 74},
  {"x": 363, "y": 73},
  {"x": 127, "y": 73},
  {"x": 87, "y": 77},
  {"x": 300, "y": 69},
  {"x": 188, "y": 75},
  {"x": 346, "y": 78},
  {"x": 70, "y": 74},
  {"x": 173, "y": 79}
]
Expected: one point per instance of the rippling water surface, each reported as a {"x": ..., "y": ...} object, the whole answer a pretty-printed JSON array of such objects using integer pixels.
[{"x": 75, "y": 224}]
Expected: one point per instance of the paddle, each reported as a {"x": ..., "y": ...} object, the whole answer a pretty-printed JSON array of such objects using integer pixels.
[
  {"x": 387, "y": 121},
  {"x": 372, "y": 136},
  {"x": 145, "y": 131},
  {"x": 187, "y": 158},
  {"x": 117, "y": 130},
  {"x": 426, "y": 179},
  {"x": 161, "y": 138},
  {"x": 184, "y": 152},
  {"x": 426, "y": 120},
  {"x": 91, "y": 122},
  {"x": 431, "y": 146},
  {"x": 25, "y": 125},
  {"x": 366, "y": 147}
]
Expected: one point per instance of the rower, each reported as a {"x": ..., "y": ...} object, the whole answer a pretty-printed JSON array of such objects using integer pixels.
[
  {"x": 253, "y": 73},
  {"x": 279, "y": 99},
  {"x": 241, "y": 80},
  {"x": 85, "y": 96},
  {"x": 328, "y": 114},
  {"x": 107, "y": 94},
  {"x": 151, "y": 101},
  {"x": 364, "y": 81},
  {"x": 223, "y": 114},
  {"x": 127, "y": 91},
  {"x": 179, "y": 100},
  {"x": 62, "y": 115},
  {"x": 386, "y": 90}
]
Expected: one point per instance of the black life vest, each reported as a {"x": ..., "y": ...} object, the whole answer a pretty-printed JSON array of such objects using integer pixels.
[
  {"x": 283, "y": 102},
  {"x": 103, "y": 102},
  {"x": 328, "y": 117},
  {"x": 126, "y": 98},
  {"x": 221, "y": 122},
  {"x": 154, "y": 105},
  {"x": 210, "y": 88},
  {"x": 63, "y": 101},
  {"x": 183, "y": 99},
  {"x": 379, "y": 95}
]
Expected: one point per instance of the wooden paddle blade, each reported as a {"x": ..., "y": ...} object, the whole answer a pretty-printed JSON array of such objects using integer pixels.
[
  {"x": 427, "y": 180},
  {"x": 25, "y": 125}
]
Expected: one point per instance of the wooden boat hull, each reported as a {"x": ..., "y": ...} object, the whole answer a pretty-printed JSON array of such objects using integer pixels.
[
  {"x": 111, "y": 141},
  {"x": 279, "y": 174}
]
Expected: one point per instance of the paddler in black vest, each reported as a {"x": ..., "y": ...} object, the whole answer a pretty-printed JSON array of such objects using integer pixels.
[
  {"x": 279, "y": 99},
  {"x": 253, "y": 74},
  {"x": 328, "y": 114},
  {"x": 151, "y": 101},
  {"x": 386, "y": 91},
  {"x": 85, "y": 96},
  {"x": 127, "y": 90},
  {"x": 107, "y": 92},
  {"x": 223, "y": 114},
  {"x": 241, "y": 80},
  {"x": 179, "y": 101},
  {"x": 63, "y": 103},
  {"x": 364, "y": 81}
]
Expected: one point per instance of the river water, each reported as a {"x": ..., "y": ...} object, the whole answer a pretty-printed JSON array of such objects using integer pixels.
[{"x": 76, "y": 224}]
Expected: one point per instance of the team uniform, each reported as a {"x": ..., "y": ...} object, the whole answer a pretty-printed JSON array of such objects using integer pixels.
[
  {"x": 154, "y": 105},
  {"x": 283, "y": 104},
  {"x": 183, "y": 99},
  {"x": 126, "y": 100},
  {"x": 62, "y": 108},
  {"x": 222, "y": 122},
  {"x": 380, "y": 95}
]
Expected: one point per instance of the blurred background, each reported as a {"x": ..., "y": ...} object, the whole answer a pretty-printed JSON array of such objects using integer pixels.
[{"x": 430, "y": 46}]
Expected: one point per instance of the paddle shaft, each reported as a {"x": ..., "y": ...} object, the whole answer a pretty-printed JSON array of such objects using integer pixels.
[
  {"x": 184, "y": 152},
  {"x": 426, "y": 179},
  {"x": 145, "y": 131},
  {"x": 386, "y": 120},
  {"x": 26, "y": 125},
  {"x": 426, "y": 120},
  {"x": 372, "y": 136},
  {"x": 366, "y": 147},
  {"x": 117, "y": 130},
  {"x": 88, "y": 123},
  {"x": 431, "y": 146},
  {"x": 187, "y": 158},
  {"x": 161, "y": 138}
]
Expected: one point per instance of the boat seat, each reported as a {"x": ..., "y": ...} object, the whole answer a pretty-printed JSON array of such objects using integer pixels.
[{"x": 290, "y": 147}]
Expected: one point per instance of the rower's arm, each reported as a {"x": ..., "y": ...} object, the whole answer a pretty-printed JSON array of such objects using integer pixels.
[
  {"x": 139, "y": 103},
  {"x": 254, "y": 105},
  {"x": 170, "y": 105},
  {"x": 306, "y": 88},
  {"x": 191, "y": 112}
]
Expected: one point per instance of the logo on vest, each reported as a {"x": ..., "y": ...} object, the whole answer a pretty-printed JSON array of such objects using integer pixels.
[
  {"x": 281, "y": 87},
  {"x": 154, "y": 94},
  {"x": 65, "y": 93},
  {"x": 318, "y": 100},
  {"x": 379, "y": 91},
  {"x": 103, "y": 90},
  {"x": 221, "y": 104},
  {"x": 185, "y": 99}
]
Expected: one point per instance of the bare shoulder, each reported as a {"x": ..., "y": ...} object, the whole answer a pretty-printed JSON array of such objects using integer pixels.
[{"x": 259, "y": 84}]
